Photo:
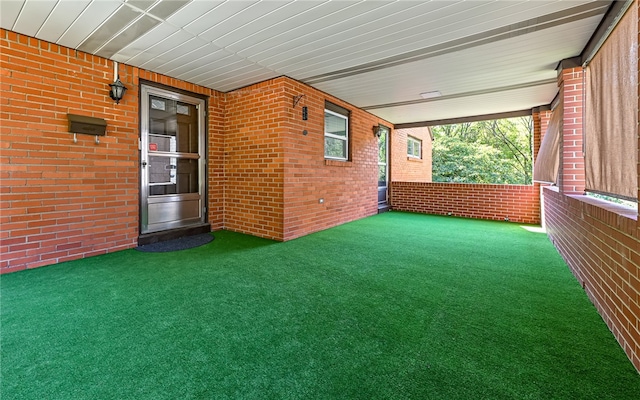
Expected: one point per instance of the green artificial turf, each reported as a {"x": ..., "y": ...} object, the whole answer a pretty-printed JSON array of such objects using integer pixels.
[{"x": 395, "y": 306}]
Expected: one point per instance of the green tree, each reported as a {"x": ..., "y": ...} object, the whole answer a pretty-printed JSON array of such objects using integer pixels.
[{"x": 495, "y": 151}]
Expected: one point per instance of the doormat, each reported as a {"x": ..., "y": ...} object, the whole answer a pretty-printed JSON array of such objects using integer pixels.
[{"x": 183, "y": 243}]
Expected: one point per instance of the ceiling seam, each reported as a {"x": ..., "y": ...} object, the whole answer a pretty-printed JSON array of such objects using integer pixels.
[
  {"x": 462, "y": 94},
  {"x": 491, "y": 36}
]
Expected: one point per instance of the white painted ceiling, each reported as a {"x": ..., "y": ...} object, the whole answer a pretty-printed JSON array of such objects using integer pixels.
[{"x": 482, "y": 56}]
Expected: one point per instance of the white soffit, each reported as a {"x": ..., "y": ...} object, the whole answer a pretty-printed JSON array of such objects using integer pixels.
[{"x": 483, "y": 56}]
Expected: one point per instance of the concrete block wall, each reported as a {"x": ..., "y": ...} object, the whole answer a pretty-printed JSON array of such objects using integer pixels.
[
  {"x": 62, "y": 200},
  {"x": 518, "y": 203}
]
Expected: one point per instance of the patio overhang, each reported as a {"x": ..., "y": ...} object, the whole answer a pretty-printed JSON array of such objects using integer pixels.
[{"x": 484, "y": 57}]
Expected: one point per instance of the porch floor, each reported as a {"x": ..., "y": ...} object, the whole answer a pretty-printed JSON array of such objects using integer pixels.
[{"x": 397, "y": 305}]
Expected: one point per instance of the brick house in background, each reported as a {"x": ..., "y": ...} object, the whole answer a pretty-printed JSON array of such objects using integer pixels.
[{"x": 411, "y": 158}]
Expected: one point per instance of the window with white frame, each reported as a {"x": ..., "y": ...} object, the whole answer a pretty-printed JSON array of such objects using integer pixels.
[
  {"x": 336, "y": 132},
  {"x": 414, "y": 147}
]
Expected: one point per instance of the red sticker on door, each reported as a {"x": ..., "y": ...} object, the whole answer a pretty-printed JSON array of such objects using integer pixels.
[{"x": 153, "y": 146}]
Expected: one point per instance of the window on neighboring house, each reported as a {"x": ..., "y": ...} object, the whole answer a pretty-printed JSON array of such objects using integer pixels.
[
  {"x": 414, "y": 147},
  {"x": 336, "y": 132}
]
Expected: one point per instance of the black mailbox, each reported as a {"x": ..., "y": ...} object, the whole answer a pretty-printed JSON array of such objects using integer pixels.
[{"x": 87, "y": 125}]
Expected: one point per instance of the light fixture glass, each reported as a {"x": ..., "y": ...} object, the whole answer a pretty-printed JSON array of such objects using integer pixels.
[{"x": 117, "y": 90}]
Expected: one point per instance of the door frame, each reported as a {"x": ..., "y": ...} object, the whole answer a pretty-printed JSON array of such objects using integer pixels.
[
  {"x": 387, "y": 166},
  {"x": 201, "y": 102}
]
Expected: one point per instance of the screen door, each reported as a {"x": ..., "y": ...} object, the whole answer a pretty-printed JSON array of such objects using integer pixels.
[{"x": 172, "y": 160}]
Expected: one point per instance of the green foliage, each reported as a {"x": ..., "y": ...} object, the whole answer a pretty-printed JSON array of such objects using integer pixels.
[{"x": 496, "y": 151}]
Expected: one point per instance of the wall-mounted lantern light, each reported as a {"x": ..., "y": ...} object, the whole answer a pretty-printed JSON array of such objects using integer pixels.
[
  {"x": 377, "y": 130},
  {"x": 117, "y": 88}
]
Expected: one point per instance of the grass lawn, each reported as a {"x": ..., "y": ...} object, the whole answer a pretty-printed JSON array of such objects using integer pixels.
[{"x": 395, "y": 306}]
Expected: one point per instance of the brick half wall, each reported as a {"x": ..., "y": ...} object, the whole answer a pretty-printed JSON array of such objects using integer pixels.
[
  {"x": 601, "y": 246},
  {"x": 518, "y": 203}
]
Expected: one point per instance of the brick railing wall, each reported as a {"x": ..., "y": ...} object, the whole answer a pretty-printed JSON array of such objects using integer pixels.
[
  {"x": 600, "y": 242},
  {"x": 518, "y": 203}
]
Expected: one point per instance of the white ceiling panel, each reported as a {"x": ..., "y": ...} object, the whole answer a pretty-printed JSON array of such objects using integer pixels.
[
  {"x": 188, "y": 63},
  {"x": 245, "y": 81},
  {"x": 32, "y": 16},
  {"x": 514, "y": 100},
  {"x": 123, "y": 17},
  {"x": 388, "y": 36},
  {"x": 145, "y": 43},
  {"x": 91, "y": 18},
  {"x": 251, "y": 15},
  {"x": 217, "y": 15},
  {"x": 283, "y": 30},
  {"x": 443, "y": 73},
  {"x": 205, "y": 68},
  {"x": 484, "y": 56},
  {"x": 163, "y": 47},
  {"x": 134, "y": 30},
  {"x": 524, "y": 64},
  {"x": 265, "y": 26},
  {"x": 226, "y": 75},
  {"x": 394, "y": 44},
  {"x": 192, "y": 11},
  {"x": 171, "y": 54},
  {"x": 9, "y": 11},
  {"x": 164, "y": 9},
  {"x": 62, "y": 16},
  {"x": 333, "y": 23},
  {"x": 357, "y": 35},
  {"x": 182, "y": 62}
]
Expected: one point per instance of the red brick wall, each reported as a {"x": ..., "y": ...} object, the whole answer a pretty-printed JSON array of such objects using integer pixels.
[
  {"x": 405, "y": 168},
  {"x": 540, "y": 124},
  {"x": 254, "y": 156},
  {"x": 276, "y": 174},
  {"x": 519, "y": 203},
  {"x": 600, "y": 241},
  {"x": 63, "y": 200},
  {"x": 602, "y": 248},
  {"x": 572, "y": 179},
  {"x": 349, "y": 188}
]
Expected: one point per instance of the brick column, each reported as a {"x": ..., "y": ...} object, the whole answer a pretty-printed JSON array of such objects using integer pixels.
[
  {"x": 570, "y": 81},
  {"x": 540, "y": 117}
]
